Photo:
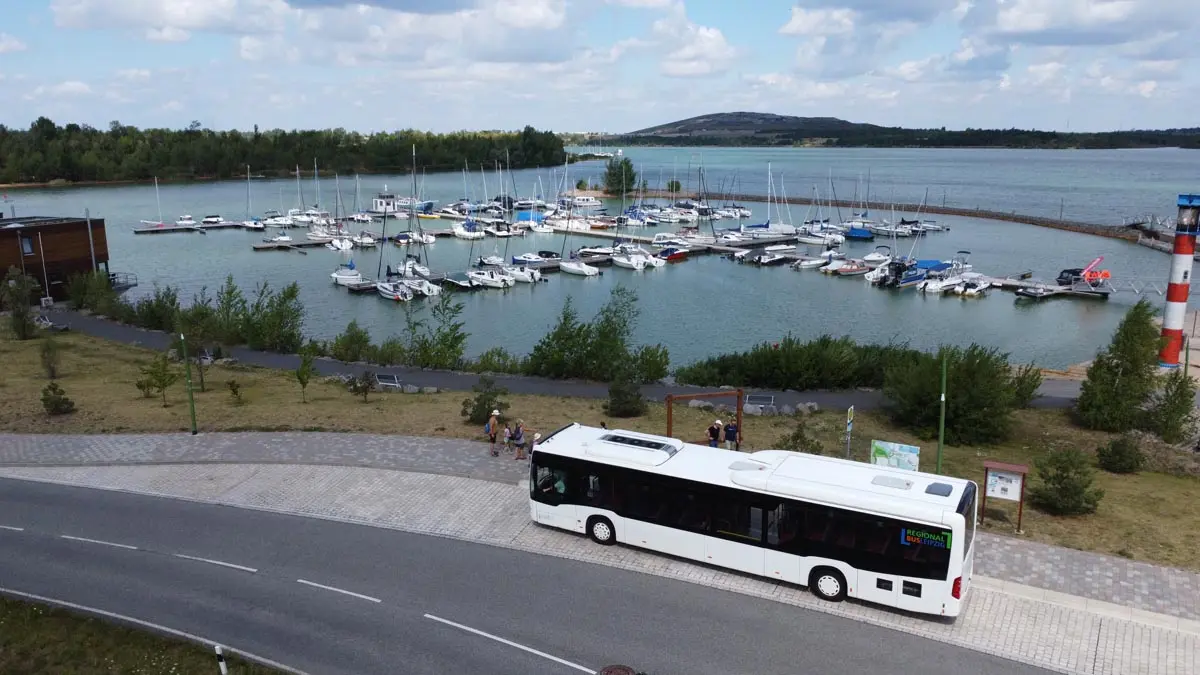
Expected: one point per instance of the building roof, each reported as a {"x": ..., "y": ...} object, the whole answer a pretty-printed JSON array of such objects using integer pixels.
[
  {"x": 40, "y": 221},
  {"x": 828, "y": 480}
]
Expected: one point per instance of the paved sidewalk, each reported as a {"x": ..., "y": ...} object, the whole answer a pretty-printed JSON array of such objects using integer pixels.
[
  {"x": 1062, "y": 637},
  {"x": 1106, "y": 578}
]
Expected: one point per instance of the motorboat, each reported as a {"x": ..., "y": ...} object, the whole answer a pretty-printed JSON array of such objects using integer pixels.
[
  {"x": 524, "y": 274},
  {"x": 255, "y": 225},
  {"x": 346, "y": 275},
  {"x": 779, "y": 248},
  {"x": 276, "y": 219},
  {"x": 811, "y": 264},
  {"x": 852, "y": 268},
  {"x": 318, "y": 233},
  {"x": 880, "y": 256},
  {"x": 362, "y": 218},
  {"x": 767, "y": 259},
  {"x": 364, "y": 240},
  {"x": 541, "y": 227},
  {"x": 665, "y": 240},
  {"x": 421, "y": 287},
  {"x": 549, "y": 255},
  {"x": 489, "y": 261},
  {"x": 503, "y": 230},
  {"x": 281, "y": 238},
  {"x": 526, "y": 258},
  {"x": 467, "y": 230},
  {"x": 831, "y": 254},
  {"x": 673, "y": 254},
  {"x": 491, "y": 278},
  {"x": 394, "y": 290},
  {"x": 578, "y": 268},
  {"x": 939, "y": 286},
  {"x": 834, "y": 266},
  {"x": 593, "y": 251},
  {"x": 629, "y": 262},
  {"x": 339, "y": 245},
  {"x": 821, "y": 239},
  {"x": 186, "y": 221},
  {"x": 972, "y": 285},
  {"x": 461, "y": 281},
  {"x": 212, "y": 220},
  {"x": 412, "y": 268}
]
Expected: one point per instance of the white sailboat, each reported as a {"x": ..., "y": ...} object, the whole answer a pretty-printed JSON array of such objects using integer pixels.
[
  {"x": 250, "y": 223},
  {"x": 346, "y": 274},
  {"x": 159, "y": 222},
  {"x": 397, "y": 291}
]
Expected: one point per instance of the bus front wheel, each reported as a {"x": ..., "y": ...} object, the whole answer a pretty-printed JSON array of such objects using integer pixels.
[
  {"x": 828, "y": 584},
  {"x": 601, "y": 531}
]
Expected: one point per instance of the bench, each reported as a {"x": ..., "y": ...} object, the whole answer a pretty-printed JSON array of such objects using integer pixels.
[
  {"x": 386, "y": 382},
  {"x": 759, "y": 399}
]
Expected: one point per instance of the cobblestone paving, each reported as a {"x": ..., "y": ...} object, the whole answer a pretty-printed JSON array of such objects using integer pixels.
[
  {"x": 1117, "y": 580},
  {"x": 1057, "y": 637}
]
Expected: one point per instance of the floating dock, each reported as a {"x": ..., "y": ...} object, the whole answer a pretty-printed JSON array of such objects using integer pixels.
[
  {"x": 198, "y": 227},
  {"x": 288, "y": 245}
]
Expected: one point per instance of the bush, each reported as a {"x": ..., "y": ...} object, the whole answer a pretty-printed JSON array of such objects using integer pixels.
[
  {"x": 352, "y": 345},
  {"x": 92, "y": 291},
  {"x": 823, "y": 363},
  {"x": 980, "y": 394},
  {"x": 159, "y": 376},
  {"x": 55, "y": 401},
  {"x": 1026, "y": 381},
  {"x": 625, "y": 396},
  {"x": 274, "y": 321},
  {"x": 50, "y": 357},
  {"x": 1172, "y": 413},
  {"x": 478, "y": 409},
  {"x": 620, "y": 176},
  {"x": 144, "y": 385},
  {"x": 497, "y": 360},
  {"x": 160, "y": 310},
  {"x": 235, "y": 391},
  {"x": 390, "y": 352},
  {"x": 800, "y": 441},
  {"x": 441, "y": 343},
  {"x": 363, "y": 385},
  {"x": 16, "y": 295},
  {"x": 1122, "y": 378},
  {"x": 304, "y": 372},
  {"x": 1066, "y": 487},
  {"x": 1121, "y": 455}
]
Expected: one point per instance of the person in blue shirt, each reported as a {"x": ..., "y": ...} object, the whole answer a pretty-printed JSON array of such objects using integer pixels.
[{"x": 732, "y": 441}]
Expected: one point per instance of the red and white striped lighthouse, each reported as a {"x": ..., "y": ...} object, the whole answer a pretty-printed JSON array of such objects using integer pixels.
[{"x": 1179, "y": 283}]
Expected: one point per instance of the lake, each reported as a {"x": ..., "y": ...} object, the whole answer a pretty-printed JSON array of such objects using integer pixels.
[{"x": 707, "y": 305}]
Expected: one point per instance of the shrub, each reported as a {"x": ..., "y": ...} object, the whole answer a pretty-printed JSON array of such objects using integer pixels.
[
  {"x": 1172, "y": 413},
  {"x": 159, "y": 376},
  {"x": 304, "y": 372},
  {"x": 441, "y": 342},
  {"x": 91, "y": 290},
  {"x": 274, "y": 321},
  {"x": 363, "y": 385},
  {"x": 1026, "y": 381},
  {"x": 1122, "y": 378},
  {"x": 1066, "y": 487},
  {"x": 497, "y": 360},
  {"x": 478, "y": 408},
  {"x": 16, "y": 295},
  {"x": 144, "y": 385},
  {"x": 55, "y": 401},
  {"x": 390, "y": 352},
  {"x": 980, "y": 394},
  {"x": 352, "y": 345},
  {"x": 235, "y": 391},
  {"x": 160, "y": 310},
  {"x": 800, "y": 441},
  {"x": 625, "y": 396},
  {"x": 50, "y": 357},
  {"x": 1121, "y": 455}
]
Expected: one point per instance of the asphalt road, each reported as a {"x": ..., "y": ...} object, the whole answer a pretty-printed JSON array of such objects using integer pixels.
[
  {"x": 1052, "y": 394},
  {"x": 511, "y": 612}
]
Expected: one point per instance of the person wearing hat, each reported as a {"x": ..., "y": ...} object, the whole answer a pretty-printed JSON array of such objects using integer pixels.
[
  {"x": 492, "y": 430},
  {"x": 714, "y": 434}
]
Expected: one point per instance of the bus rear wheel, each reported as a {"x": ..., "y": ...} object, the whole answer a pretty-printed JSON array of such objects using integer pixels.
[
  {"x": 827, "y": 584},
  {"x": 601, "y": 531}
]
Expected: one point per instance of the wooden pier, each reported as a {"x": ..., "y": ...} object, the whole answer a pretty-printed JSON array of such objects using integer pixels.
[
  {"x": 198, "y": 227},
  {"x": 288, "y": 245}
]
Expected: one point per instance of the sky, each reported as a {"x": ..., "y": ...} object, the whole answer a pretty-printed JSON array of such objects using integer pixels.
[{"x": 599, "y": 65}]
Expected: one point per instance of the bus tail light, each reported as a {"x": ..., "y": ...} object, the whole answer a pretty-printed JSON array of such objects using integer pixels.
[{"x": 957, "y": 590}]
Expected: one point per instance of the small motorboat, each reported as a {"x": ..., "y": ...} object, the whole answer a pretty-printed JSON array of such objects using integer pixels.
[
  {"x": 394, "y": 290},
  {"x": 489, "y": 261},
  {"x": 527, "y": 258},
  {"x": 491, "y": 278},
  {"x": 364, "y": 240},
  {"x": 212, "y": 220},
  {"x": 346, "y": 275},
  {"x": 186, "y": 221},
  {"x": 523, "y": 274},
  {"x": 834, "y": 265},
  {"x": 672, "y": 254},
  {"x": 578, "y": 268},
  {"x": 832, "y": 254},
  {"x": 852, "y": 268},
  {"x": 810, "y": 264},
  {"x": 629, "y": 261},
  {"x": 339, "y": 245},
  {"x": 549, "y": 255},
  {"x": 255, "y": 225},
  {"x": 882, "y": 255},
  {"x": 422, "y": 287}
]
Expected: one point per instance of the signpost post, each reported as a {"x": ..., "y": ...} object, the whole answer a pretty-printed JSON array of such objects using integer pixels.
[
  {"x": 942, "y": 415},
  {"x": 187, "y": 366},
  {"x": 849, "y": 428},
  {"x": 1007, "y": 482}
]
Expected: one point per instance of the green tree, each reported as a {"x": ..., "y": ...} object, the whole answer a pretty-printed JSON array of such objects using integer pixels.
[
  {"x": 160, "y": 375},
  {"x": 1121, "y": 455},
  {"x": 674, "y": 187},
  {"x": 352, "y": 344},
  {"x": 200, "y": 330},
  {"x": 1122, "y": 378},
  {"x": 304, "y": 372},
  {"x": 624, "y": 395},
  {"x": 619, "y": 176},
  {"x": 1066, "y": 487},
  {"x": 51, "y": 358},
  {"x": 488, "y": 397},
  {"x": 55, "y": 401},
  {"x": 1172, "y": 414},
  {"x": 16, "y": 296}
]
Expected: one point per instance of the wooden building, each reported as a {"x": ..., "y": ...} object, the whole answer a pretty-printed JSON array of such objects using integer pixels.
[{"x": 53, "y": 250}]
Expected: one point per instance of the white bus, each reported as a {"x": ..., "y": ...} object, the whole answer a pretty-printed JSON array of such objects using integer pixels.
[{"x": 844, "y": 529}]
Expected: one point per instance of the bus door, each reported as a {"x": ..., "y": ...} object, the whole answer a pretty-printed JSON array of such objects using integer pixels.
[{"x": 551, "y": 490}]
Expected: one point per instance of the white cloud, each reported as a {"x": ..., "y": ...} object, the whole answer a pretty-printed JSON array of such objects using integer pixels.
[
  {"x": 173, "y": 17},
  {"x": 167, "y": 34},
  {"x": 134, "y": 74},
  {"x": 837, "y": 21},
  {"x": 692, "y": 50},
  {"x": 646, "y": 4},
  {"x": 68, "y": 89},
  {"x": 9, "y": 43}
]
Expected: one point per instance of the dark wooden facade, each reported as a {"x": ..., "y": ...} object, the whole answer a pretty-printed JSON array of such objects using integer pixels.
[{"x": 52, "y": 250}]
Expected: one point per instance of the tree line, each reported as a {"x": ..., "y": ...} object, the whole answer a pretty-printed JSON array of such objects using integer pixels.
[
  {"x": 888, "y": 137},
  {"x": 47, "y": 152}
]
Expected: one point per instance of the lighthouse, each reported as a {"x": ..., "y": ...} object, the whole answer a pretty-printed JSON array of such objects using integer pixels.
[{"x": 1179, "y": 283}]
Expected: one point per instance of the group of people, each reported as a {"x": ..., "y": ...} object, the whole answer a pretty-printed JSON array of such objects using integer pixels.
[
  {"x": 729, "y": 432},
  {"x": 515, "y": 437}
]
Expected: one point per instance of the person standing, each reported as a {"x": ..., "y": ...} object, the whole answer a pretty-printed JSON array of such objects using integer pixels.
[
  {"x": 714, "y": 434},
  {"x": 492, "y": 429},
  {"x": 518, "y": 439},
  {"x": 732, "y": 439}
]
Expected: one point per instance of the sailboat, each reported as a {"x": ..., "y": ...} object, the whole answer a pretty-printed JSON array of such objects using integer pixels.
[
  {"x": 346, "y": 274},
  {"x": 159, "y": 222},
  {"x": 575, "y": 267},
  {"x": 250, "y": 223}
]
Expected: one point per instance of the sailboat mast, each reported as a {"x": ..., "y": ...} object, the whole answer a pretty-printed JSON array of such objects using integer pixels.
[
  {"x": 248, "y": 203},
  {"x": 158, "y": 201},
  {"x": 317, "y": 185}
]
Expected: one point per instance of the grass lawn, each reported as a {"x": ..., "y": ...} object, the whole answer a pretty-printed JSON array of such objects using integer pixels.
[
  {"x": 1148, "y": 516},
  {"x": 39, "y": 639}
]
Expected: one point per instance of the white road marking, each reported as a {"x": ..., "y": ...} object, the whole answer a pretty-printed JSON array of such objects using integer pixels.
[
  {"x": 97, "y": 541},
  {"x": 360, "y": 596},
  {"x": 217, "y": 562},
  {"x": 152, "y": 626},
  {"x": 510, "y": 643},
  {"x": 11, "y": 528}
]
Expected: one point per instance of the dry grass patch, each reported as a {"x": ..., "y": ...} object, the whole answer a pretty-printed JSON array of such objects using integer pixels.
[{"x": 1148, "y": 516}]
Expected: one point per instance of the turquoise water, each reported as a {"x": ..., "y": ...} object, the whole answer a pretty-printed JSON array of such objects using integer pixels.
[{"x": 710, "y": 305}]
